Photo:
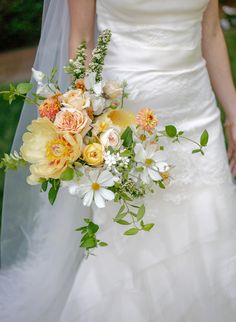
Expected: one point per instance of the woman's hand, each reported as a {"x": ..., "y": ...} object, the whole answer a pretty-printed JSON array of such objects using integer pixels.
[{"x": 230, "y": 129}]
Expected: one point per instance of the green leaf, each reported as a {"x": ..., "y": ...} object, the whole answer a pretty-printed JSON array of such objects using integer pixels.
[
  {"x": 120, "y": 216},
  {"x": 44, "y": 185},
  {"x": 122, "y": 208},
  {"x": 126, "y": 153},
  {"x": 196, "y": 151},
  {"x": 127, "y": 137},
  {"x": 93, "y": 228},
  {"x": 123, "y": 222},
  {"x": 141, "y": 212},
  {"x": 67, "y": 175},
  {"x": 131, "y": 231},
  {"x": 125, "y": 196},
  {"x": 103, "y": 244},
  {"x": 6, "y": 96},
  {"x": 204, "y": 138},
  {"x": 171, "y": 131},
  {"x": 161, "y": 184},
  {"x": 81, "y": 228},
  {"x": 24, "y": 88},
  {"x": 12, "y": 88},
  {"x": 53, "y": 72},
  {"x": 12, "y": 97},
  {"x": 89, "y": 243},
  {"x": 148, "y": 227},
  {"x": 139, "y": 169},
  {"x": 52, "y": 194}
]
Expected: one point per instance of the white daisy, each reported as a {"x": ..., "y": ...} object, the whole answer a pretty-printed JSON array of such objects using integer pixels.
[
  {"x": 93, "y": 187},
  {"x": 151, "y": 162}
]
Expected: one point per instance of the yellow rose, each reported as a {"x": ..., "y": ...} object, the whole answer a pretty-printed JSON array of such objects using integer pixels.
[
  {"x": 93, "y": 154},
  {"x": 48, "y": 151}
]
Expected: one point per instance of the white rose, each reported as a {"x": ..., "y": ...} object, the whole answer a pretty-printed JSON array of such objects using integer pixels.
[
  {"x": 112, "y": 89},
  {"x": 99, "y": 104},
  {"x": 111, "y": 138},
  {"x": 76, "y": 99}
]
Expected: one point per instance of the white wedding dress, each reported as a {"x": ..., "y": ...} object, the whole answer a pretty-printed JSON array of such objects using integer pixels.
[{"x": 184, "y": 269}]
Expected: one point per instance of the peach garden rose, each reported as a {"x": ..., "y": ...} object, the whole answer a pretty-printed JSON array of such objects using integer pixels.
[
  {"x": 72, "y": 120},
  {"x": 111, "y": 138}
]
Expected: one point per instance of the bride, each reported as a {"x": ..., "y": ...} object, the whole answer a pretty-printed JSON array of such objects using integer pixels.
[{"x": 173, "y": 55}]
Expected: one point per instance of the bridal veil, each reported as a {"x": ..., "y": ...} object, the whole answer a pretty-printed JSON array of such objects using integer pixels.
[{"x": 25, "y": 208}]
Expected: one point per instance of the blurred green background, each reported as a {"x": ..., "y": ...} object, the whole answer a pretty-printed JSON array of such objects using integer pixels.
[{"x": 20, "y": 22}]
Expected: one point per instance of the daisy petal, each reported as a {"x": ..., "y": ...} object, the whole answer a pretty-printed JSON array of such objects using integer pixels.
[
  {"x": 106, "y": 179},
  {"x": 154, "y": 174},
  {"x": 151, "y": 149},
  {"x": 144, "y": 176},
  {"x": 140, "y": 153},
  {"x": 94, "y": 174},
  {"x": 99, "y": 201},
  {"x": 88, "y": 198},
  {"x": 83, "y": 189},
  {"x": 163, "y": 166},
  {"x": 107, "y": 194}
]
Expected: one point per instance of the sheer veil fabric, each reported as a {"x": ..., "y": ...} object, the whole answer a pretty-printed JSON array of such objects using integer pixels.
[
  {"x": 22, "y": 203},
  {"x": 28, "y": 220}
]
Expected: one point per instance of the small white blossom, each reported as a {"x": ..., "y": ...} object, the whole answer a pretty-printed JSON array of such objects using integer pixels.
[
  {"x": 93, "y": 187},
  {"x": 151, "y": 161}
]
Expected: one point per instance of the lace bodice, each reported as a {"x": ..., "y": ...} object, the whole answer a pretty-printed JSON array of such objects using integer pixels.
[{"x": 156, "y": 47}]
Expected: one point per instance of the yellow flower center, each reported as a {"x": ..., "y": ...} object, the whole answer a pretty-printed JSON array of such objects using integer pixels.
[
  {"x": 103, "y": 126},
  {"x": 143, "y": 137},
  {"x": 150, "y": 118},
  {"x": 148, "y": 162},
  {"x": 95, "y": 186},
  {"x": 58, "y": 149},
  {"x": 165, "y": 175}
]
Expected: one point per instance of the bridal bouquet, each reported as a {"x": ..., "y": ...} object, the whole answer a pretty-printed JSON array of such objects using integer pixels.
[{"x": 87, "y": 141}]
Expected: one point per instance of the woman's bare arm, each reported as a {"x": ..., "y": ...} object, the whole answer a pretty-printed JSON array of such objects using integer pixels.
[
  {"x": 82, "y": 20},
  {"x": 216, "y": 55}
]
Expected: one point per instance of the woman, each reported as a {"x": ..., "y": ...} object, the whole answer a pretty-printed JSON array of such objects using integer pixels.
[{"x": 173, "y": 56}]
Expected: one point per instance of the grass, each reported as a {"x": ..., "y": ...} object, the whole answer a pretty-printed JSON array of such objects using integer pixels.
[{"x": 8, "y": 121}]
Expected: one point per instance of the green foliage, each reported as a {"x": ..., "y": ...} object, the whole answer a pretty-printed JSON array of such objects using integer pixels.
[
  {"x": 20, "y": 23},
  {"x": 89, "y": 239},
  {"x": 76, "y": 66},
  {"x": 11, "y": 162},
  {"x": 171, "y": 131},
  {"x": 99, "y": 54},
  {"x": 9, "y": 116},
  {"x": 67, "y": 175},
  {"x": 127, "y": 137}
]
